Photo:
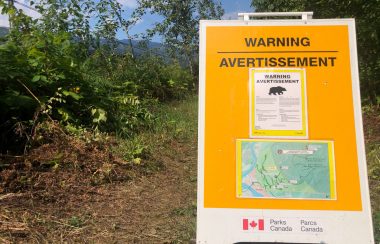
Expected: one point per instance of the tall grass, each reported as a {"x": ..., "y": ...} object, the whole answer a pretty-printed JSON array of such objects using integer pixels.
[
  {"x": 373, "y": 163},
  {"x": 174, "y": 121}
]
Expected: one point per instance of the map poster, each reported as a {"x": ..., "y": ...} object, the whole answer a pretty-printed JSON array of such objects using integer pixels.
[
  {"x": 281, "y": 169},
  {"x": 278, "y": 103}
]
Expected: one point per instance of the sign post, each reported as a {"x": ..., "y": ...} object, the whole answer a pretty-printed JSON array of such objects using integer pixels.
[{"x": 280, "y": 146}]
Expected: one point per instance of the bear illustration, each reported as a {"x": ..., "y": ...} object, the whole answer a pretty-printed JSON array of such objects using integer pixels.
[{"x": 277, "y": 90}]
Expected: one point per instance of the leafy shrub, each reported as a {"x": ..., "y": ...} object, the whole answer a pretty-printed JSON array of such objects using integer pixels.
[
  {"x": 146, "y": 76},
  {"x": 45, "y": 74},
  {"x": 35, "y": 68}
]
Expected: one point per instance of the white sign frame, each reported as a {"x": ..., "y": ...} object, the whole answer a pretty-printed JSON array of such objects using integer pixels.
[{"x": 223, "y": 225}]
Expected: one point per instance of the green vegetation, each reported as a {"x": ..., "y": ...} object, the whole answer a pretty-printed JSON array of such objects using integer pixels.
[
  {"x": 60, "y": 204},
  {"x": 57, "y": 68},
  {"x": 79, "y": 120},
  {"x": 376, "y": 226},
  {"x": 373, "y": 161},
  {"x": 372, "y": 135},
  {"x": 174, "y": 121},
  {"x": 181, "y": 24}
]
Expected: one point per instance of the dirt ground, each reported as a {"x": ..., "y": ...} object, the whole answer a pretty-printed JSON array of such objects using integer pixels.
[{"x": 154, "y": 208}]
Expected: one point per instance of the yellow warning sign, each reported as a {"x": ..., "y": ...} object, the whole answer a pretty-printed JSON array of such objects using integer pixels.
[{"x": 279, "y": 82}]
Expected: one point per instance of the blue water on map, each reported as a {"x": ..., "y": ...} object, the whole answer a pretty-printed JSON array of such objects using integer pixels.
[
  {"x": 253, "y": 158},
  {"x": 254, "y": 193}
]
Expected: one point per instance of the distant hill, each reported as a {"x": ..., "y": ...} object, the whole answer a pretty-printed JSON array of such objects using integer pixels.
[
  {"x": 140, "y": 47},
  {"x": 3, "y": 31}
]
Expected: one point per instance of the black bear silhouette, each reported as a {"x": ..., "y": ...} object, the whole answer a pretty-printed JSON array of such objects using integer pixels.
[{"x": 277, "y": 90}]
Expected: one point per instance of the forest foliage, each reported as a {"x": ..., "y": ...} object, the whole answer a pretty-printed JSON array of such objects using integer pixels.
[{"x": 63, "y": 67}]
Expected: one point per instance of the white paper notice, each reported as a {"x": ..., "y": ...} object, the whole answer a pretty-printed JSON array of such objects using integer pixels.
[{"x": 278, "y": 104}]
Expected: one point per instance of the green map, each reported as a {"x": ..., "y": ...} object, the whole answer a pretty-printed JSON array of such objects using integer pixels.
[{"x": 285, "y": 169}]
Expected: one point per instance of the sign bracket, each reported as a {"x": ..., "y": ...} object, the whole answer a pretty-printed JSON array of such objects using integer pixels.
[{"x": 250, "y": 16}]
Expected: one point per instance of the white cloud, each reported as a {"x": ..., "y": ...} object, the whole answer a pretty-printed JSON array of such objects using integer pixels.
[{"x": 129, "y": 3}]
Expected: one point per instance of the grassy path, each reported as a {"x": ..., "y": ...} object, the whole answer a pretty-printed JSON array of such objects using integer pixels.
[{"x": 157, "y": 206}]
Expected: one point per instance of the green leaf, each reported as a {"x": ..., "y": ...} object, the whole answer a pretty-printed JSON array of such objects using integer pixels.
[
  {"x": 33, "y": 63},
  {"x": 136, "y": 161},
  {"x": 171, "y": 82},
  {"x": 61, "y": 76},
  {"x": 99, "y": 115},
  {"x": 36, "y": 78},
  {"x": 72, "y": 94},
  {"x": 64, "y": 113},
  {"x": 43, "y": 78}
]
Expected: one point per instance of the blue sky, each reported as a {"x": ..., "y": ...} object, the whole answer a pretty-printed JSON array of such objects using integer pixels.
[{"x": 231, "y": 9}]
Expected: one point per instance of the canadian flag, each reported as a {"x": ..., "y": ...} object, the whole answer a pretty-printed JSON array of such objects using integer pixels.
[{"x": 247, "y": 224}]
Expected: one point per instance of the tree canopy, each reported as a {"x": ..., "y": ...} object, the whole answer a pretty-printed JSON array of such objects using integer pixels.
[{"x": 180, "y": 24}]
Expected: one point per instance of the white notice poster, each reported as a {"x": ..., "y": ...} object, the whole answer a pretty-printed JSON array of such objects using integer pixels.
[{"x": 278, "y": 103}]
